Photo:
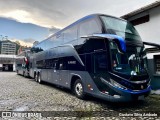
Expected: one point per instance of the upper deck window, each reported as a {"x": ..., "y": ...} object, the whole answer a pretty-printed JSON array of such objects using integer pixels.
[
  {"x": 120, "y": 27},
  {"x": 89, "y": 27}
]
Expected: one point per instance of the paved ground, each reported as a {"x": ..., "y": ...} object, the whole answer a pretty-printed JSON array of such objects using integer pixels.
[{"x": 23, "y": 94}]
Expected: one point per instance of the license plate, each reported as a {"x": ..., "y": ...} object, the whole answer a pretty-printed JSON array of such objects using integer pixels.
[{"x": 141, "y": 97}]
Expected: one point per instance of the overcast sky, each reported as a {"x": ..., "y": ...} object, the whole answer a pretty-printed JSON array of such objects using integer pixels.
[{"x": 41, "y": 17}]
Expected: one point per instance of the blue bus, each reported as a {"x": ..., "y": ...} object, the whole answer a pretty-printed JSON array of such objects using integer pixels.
[{"x": 98, "y": 55}]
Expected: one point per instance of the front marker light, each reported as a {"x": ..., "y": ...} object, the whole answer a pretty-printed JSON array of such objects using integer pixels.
[
  {"x": 114, "y": 83},
  {"x": 116, "y": 96}
]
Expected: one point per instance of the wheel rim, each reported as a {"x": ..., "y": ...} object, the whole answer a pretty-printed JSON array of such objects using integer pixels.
[
  {"x": 39, "y": 79},
  {"x": 79, "y": 89}
]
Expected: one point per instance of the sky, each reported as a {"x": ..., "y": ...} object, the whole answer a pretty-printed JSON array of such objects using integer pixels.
[{"x": 34, "y": 20}]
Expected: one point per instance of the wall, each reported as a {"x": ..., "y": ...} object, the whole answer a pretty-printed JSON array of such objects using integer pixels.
[
  {"x": 155, "y": 79},
  {"x": 150, "y": 31}
]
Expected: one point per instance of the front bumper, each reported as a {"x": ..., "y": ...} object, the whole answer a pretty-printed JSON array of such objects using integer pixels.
[{"x": 124, "y": 95}]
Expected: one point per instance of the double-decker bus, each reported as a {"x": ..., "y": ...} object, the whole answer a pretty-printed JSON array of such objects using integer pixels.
[
  {"x": 98, "y": 55},
  {"x": 22, "y": 63}
]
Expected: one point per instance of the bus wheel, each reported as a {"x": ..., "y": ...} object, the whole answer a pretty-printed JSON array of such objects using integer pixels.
[
  {"x": 39, "y": 78},
  {"x": 36, "y": 78},
  {"x": 78, "y": 89},
  {"x": 23, "y": 74}
]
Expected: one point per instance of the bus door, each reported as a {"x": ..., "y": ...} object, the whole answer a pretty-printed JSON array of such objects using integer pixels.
[
  {"x": 63, "y": 72},
  {"x": 31, "y": 67},
  {"x": 53, "y": 73},
  {"x": 100, "y": 70},
  {"x": 43, "y": 70}
]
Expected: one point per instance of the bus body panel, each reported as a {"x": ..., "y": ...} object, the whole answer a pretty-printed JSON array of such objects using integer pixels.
[{"x": 67, "y": 54}]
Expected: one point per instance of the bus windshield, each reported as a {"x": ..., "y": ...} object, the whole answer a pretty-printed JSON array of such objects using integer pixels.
[
  {"x": 132, "y": 62},
  {"x": 120, "y": 27}
]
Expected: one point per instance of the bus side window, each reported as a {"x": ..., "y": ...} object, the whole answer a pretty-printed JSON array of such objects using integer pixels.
[
  {"x": 89, "y": 27},
  {"x": 55, "y": 65},
  {"x": 30, "y": 65},
  {"x": 88, "y": 63},
  {"x": 62, "y": 64},
  {"x": 100, "y": 62},
  {"x": 70, "y": 34}
]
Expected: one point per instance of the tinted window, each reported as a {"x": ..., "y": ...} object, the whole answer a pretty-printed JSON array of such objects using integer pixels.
[
  {"x": 58, "y": 39},
  {"x": 38, "y": 48},
  {"x": 50, "y": 43},
  {"x": 40, "y": 64},
  {"x": 73, "y": 64},
  {"x": 89, "y": 27},
  {"x": 88, "y": 64},
  {"x": 70, "y": 34},
  {"x": 62, "y": 64},
  {"x": 100, "y": 62},
  {"x": 51, "y": 63},
  {"x": 121, "y": 28},
  {"x": 92, "y": 45}
]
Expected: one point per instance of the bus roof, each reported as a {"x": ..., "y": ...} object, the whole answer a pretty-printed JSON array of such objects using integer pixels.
[{"x": 78, "y": 21}]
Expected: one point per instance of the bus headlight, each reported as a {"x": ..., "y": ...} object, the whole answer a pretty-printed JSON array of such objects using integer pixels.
[{"x": 114, "y": 83}]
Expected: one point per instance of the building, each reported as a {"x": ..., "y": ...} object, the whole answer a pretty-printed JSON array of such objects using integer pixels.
[
  {"x": 147, "y": 21},
  {"x": 8, "y": 47},
  {"x": 7, "y": 62},
  {"x": 8, "y": 51}
]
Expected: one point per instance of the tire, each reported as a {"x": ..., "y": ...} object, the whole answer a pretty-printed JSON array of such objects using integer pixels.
[
  {"x": 35, "y": 77},
  {"x": 39, "y": 78},
  {"x": 23, "y": 74},
  {"x": 79, "y": 89}
]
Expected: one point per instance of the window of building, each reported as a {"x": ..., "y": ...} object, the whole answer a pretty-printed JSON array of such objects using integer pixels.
[
  {"x": 140, "y": 20},
  {"x": 157, "y": 63}
]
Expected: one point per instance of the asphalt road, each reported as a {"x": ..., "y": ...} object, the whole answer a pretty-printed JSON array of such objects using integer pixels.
[{"x": 24, "y": 94}]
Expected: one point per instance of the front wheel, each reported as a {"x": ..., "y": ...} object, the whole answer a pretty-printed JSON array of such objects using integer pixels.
[
  {"x": 36, "y": 77},
  {"x": 78, "y": 89},
  {"x": 39, "y": 78}
]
